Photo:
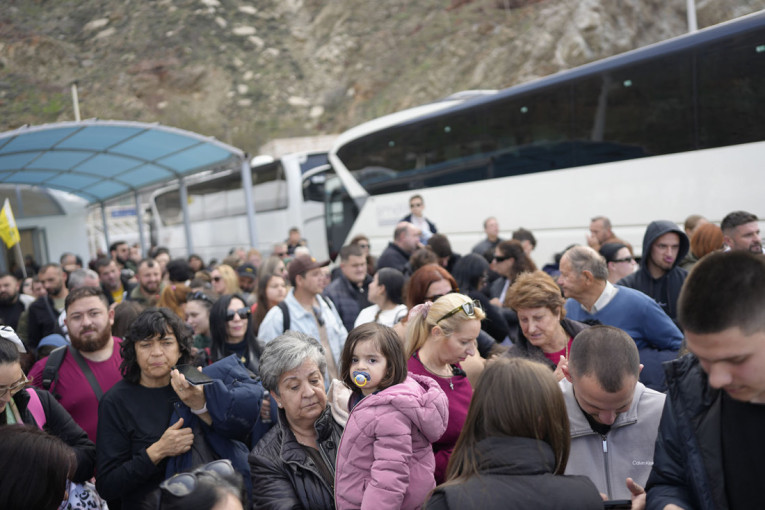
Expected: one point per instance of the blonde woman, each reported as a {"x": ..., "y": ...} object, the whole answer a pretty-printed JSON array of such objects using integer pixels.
[
  {"x": 224, "y": 280},
  {"x": 440, "y": 335}
]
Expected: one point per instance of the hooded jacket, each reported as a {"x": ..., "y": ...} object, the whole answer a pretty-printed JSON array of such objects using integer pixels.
[
  {"x": 385, "y": 459},
  {"x": 627, "y": 449},
  {"x": 664, "y": 290}
]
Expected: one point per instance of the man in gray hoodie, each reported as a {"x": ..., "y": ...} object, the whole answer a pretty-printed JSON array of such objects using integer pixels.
[
  {"x": 614, "y": 419},
  {"x": 660, "y": 276}
]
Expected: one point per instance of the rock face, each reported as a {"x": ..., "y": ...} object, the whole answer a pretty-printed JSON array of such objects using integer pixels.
[{"x": 249, "y": 72}]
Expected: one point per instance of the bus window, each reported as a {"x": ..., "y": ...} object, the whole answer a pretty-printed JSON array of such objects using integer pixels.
[
  {"x": 340, "y": 213},
  {"x": 731, "y": 92}
]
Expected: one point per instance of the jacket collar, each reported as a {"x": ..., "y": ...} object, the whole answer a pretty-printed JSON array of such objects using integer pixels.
[{"x": 579, "y": 424}]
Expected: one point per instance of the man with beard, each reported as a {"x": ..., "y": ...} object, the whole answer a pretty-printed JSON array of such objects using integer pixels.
[
  {"x": 741, "y": 231},
  {"x": 149, "y": 279},
  {"x": 120, "y": 252},
  {"x": 43, "y": 313},
  {"x": 90, "y": 366},
  {"x": 12, "y": 304}
]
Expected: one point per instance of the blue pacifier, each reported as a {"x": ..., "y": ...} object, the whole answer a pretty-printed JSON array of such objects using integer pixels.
[{"x": 361, "y": 379}]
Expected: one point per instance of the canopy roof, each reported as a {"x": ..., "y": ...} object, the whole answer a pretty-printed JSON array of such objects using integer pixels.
[{"x": 99, "y": 160}]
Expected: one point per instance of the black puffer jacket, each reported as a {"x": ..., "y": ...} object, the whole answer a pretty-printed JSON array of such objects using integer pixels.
[
  {"x": 517, "y": 472},
  {"x": 687, "y": 460},
  {"x": 522, "y": 348},
  {"x": 284, "y": 475},
  {"x": 664, "y": 290},
  {"x": 60, "y": 424}
]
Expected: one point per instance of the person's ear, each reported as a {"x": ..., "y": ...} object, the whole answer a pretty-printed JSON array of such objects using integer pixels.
[
  {"x": 641, "y": 369},
  {"x": 567, "y": 373},
  {"x": 437, "y": 332},
  {"x": 277, "y": 398}
]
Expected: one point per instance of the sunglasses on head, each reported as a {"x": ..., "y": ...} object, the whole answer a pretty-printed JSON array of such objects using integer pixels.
[
  {"x": 183, "y": 484},
  {"x": 243, "y": 313},
  {"x": 501, "y": 259},
  {"x": 469, "y": 309}
]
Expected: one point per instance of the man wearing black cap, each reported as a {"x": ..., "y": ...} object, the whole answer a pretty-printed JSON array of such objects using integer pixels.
[
  {"x": 308, "y": 312},
  {"x": 248, "y": 282}
]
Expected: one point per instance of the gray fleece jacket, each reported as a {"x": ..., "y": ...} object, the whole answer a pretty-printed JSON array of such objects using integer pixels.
[{"x": 627, "y": 450}]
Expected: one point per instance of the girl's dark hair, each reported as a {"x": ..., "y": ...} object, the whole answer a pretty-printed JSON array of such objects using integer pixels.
[
  {"x": 469, "y": 270},
  {"x": 35, "y": 467},
  {"x": 218, "y": 327},
  {"x": 151, "y": 323},
  {"x": 387, "y": 341},
  {"x": 393, "y": 280},
  {"x": 262, "y": 309},
  {"x": 9, "y": 352},
  {"x": 532, "y": 407}
]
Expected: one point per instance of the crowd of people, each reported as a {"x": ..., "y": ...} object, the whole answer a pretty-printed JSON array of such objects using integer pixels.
[{"x": 419, "y": 378}]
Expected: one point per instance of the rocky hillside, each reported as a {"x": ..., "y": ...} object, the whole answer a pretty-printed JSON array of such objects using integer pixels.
[{"x": 248, "y": 72}]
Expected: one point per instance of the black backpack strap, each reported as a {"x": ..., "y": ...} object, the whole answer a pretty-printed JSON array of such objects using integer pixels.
[
  {"x": 285, "y": 316},
  {"x": 50, "y": 372},
  {"x": 87, "y": 372}
]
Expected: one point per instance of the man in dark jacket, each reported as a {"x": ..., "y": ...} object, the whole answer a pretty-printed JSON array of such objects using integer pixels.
[
  {"x": 660, "y": 276},
  {"x": 709, "y": 449},
  {"x": 349, "y": 290},
  {"x": 44, "y": 312},
  {"x": 406, "y": 239}
]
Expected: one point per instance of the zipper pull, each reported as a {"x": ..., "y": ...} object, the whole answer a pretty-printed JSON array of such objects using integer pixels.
[{"x": 605, "y": 444}]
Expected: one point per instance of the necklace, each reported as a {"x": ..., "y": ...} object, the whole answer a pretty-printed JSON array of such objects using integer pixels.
[{"x": 434, "y": 372}]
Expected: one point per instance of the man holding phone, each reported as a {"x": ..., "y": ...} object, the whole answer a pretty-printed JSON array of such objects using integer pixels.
[{"x": 710, "y": 443}]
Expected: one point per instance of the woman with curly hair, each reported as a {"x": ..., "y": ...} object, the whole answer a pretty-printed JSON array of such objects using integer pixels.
[{"x": 134, "y": 441}]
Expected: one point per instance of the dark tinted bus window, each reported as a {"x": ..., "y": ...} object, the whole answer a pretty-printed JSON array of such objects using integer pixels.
[
  {"x": 645, "y": 109},
  {"x": 731, "y": 91}
]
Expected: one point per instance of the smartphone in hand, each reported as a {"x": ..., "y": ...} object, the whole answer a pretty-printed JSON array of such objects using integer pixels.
[{"x": 193, "y": 375}]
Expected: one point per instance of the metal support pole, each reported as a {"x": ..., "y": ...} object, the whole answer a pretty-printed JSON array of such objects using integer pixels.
[
  {"x": 106, "y": 228},
  {"x": 692, "y": 25},
  {"x": 75, "y": 102},
  {"x": 186, "y": 220},
  {"x": 249, "y": 204},
  {"x": 139, "y": 219}
]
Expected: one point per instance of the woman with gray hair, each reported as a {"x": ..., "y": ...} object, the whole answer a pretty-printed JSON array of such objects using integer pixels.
[{"x": 293, "y": 466}]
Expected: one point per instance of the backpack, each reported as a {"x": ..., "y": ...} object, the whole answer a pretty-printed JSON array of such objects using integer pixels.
[
  {"x": 286, "y": 311},
  {"x": 56, "y": 358}
]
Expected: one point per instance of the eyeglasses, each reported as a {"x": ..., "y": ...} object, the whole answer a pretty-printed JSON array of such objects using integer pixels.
[
  {"x": 628, "y": 259},
  {"x": 501, "y": 259},
  {"x": 243, "y": 313},
  {"x": 183, "y": 484},
  {"x": 15, "y": 387},
  {"x": 198, "y": 295},
  {"x": 217, "y": 278},
  {"x": 281, "y": 255},
  {"x": 363, "y": 246},
  {"x": 469, "y": 309},
  {"x": 436, "y": 297}
]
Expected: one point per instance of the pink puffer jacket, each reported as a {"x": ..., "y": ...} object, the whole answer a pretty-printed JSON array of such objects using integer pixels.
[{"x": 385, "y": 459}]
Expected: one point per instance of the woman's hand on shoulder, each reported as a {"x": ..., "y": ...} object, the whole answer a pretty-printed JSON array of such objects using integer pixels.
[{"x": 174, "y": 441}]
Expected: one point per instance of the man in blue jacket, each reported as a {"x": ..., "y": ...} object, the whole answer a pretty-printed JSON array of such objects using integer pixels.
[
  {"x": 709, "y": 450},
  {"x": 660, "y": 276}
]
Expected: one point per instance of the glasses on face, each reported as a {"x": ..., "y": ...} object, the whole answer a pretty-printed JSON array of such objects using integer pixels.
[
  {"x": 13, "y": 388},
  {"x": 469, "y": 309},
  {"x": 363, "y": 246},
  {"x": 436, "y": 297},
  {"x": 216, "y": 279},
  {"x": 198, "y": 295},
  {"x": 281, "y": 255},
  {"x": 183, "y": 484},
  {"x": 243, "y": 313},
  {"x": 628, "y": 259},
  {"x": 499, "y": 258}
]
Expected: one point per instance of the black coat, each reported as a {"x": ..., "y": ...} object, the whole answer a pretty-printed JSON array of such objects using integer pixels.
[
  {"x": 522, "y": 348},
  {"x": 393, "y": 256},
  {"x": 687, "y": 462},
  {"x": 517, "y": 472},
  {"x": 60, "y": 424},
  {"x": 283, "y": 474}
]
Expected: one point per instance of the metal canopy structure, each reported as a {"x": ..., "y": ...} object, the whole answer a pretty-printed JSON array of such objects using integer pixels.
[{"x": 100, "y": 160}]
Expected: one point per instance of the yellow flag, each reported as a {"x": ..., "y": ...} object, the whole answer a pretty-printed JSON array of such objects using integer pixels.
[{"x": 9, "y": 232}]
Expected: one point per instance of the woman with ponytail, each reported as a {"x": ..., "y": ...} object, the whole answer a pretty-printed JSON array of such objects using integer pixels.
[{"x": 440, "y": 335}]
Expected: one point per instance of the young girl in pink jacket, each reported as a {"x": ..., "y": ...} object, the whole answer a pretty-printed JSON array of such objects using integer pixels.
[{"x": 385, "y": 458}]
